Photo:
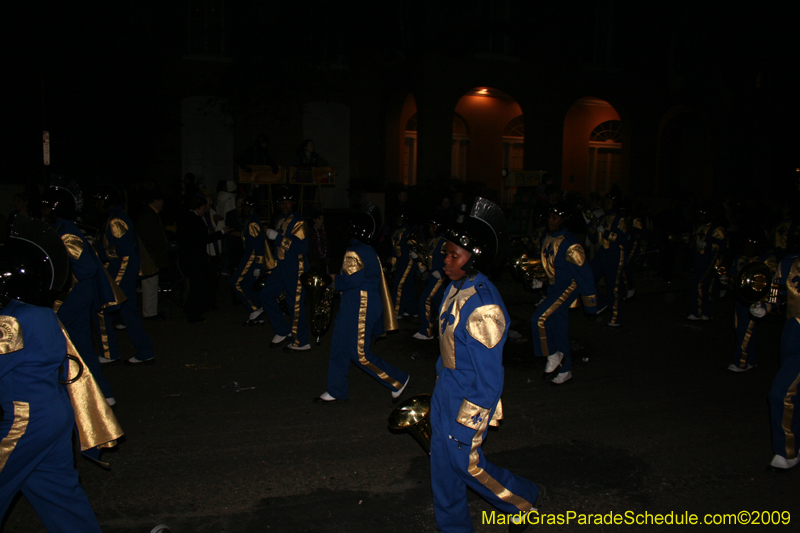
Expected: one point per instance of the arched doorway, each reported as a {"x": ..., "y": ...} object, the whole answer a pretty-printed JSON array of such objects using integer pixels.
[
  {"x": 592, "y": 146},
  {"x": 484, "y": 139}
]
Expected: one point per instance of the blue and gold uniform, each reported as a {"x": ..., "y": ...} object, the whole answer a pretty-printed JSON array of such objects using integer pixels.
[
  {"x": 122, "y": 253},
  {"x": 570, "y": 276},
  {"x": 36, "y": 431},
  {"x": 91, "y": 290},
  {"x": 431, "y": 296},
  {"x": 474, "y": 326},
  {"x": 784, "y": 401},
  {"x": 611, "y": 237},
  {"x": 403, "y": 283},
  {"x": 255, "y": 246},
  {"x": 359, "y": 320},
  {"x": 291, "y": 251},
  {"x": 746, "y": 325},
  {"x": 710, "y": 243}
]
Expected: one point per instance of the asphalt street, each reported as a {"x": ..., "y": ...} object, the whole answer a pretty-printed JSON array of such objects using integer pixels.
[{"x": 221, "y": 434}]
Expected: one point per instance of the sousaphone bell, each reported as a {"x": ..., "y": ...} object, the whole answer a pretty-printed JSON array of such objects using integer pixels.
[{"x": 414, "y": 416}]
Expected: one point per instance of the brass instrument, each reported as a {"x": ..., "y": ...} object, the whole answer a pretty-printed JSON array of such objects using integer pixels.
[
  {"x": 527, "y": 270},
  {"x": 414, "y": 416},
  {"x": 318, "y": 284},
  {"x": 419, "y": 245},
  {"x": 754, "y": 282}
]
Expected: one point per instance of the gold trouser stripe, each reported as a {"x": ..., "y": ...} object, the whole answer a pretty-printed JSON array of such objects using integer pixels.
[
  {"x": 788, "y": 414},
  {"x": 22, "y": 414},
  {"x": 297, "y": 295},
  {"x": 245, "y": 270},
  {"x": 428, "y": 314},
  {"x": 400, "y": 288},
  {"x": 122, "y": 270},
  {"x": 552, "y": 309},
  {"x": 745, "y": 343},
  {"x": 104, "y": 335},
  {"x": 616, "y": 287},
  {"x": 488, "y": 481},
  {"x": 362, "y": 334}
]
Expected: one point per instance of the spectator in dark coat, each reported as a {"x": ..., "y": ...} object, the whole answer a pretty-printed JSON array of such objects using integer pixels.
[{"x": 154, "y": 239}]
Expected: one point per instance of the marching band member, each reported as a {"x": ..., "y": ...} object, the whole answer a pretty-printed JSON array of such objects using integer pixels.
[
  {"x": 610, "y": 235},
  {"x": 784, "y": 401},
  {"x": 251, "y": 263},
  {"x": 745, "y": 323},
  {"x": 291, "y": 248},
  {"x": 474, "y": 327},
  {"x": 40, "y": 411},
  {"x": 402, "y": 263},
  {"x": 91, "y": 288},
  {"x": 710, "y": 243},
  {"x": 564, "y": 261},
  {"x": 123, "y": 255},
  {"x": 431, "y": 296},
  {"x": 364, "y": 296}
]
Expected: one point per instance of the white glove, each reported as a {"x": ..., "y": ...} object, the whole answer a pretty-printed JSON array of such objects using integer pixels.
[
  {"x": 700, "y": 244},
  {"x": 272, "y": 234},
  {"x": 758, "y": 310},
  {"x": 436, "y": 274},
  {"x": 536, "y": 284},
  {"x": 587, "y": 219},
  {"x": 257, "y": 272},
  {"x": 414, "y": 255},
  {"x": 601, "y": 229},
  {"x": 422, "y": 269}
]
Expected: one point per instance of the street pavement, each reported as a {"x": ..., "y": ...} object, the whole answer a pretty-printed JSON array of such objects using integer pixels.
[{"x": 221, "y": 434}]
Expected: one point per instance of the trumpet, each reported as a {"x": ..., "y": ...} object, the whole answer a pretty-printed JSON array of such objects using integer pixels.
[
  {"x": 754, "y": 284},
  {"x": 318, "y": 285},
  {"x": 414, "y": 416}
]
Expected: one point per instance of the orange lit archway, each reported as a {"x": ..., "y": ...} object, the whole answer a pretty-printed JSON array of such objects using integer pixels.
[
  {"x": 592, "y": 146},
  {"x": 486, "y": 114}
]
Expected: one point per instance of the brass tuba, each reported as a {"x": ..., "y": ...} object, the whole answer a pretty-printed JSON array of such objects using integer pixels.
[
  {"x": 318, "y": 284},
  {"x": 414, "y": 416},
  {"x": 754, "y": 282}
]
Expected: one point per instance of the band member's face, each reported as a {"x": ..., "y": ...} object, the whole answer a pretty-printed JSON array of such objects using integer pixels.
[
  {"x": 286, "y": 206},
  {"x": 554, "y": 222},
  {"x": 608, "y": 204},
  {"x": 454, "y": 260}
]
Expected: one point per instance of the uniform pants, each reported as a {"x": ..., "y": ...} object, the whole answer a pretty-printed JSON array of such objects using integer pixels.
[
  {"x": 76, "y": 316},
  {"x": 704, "y": 274},
  {"x": 550, "y": 325},
  {"x": 784, "y": 401},
  {"x": 429, "y": 302},
  {"x": 608, "y": 264},
  {"x": 746, "y": 344},
  {"x": 242, "y": 283},
  {"x": 129, "y": 314},
  {"x": 403, "y": 289},
  {"x": 41, "y": 465},
  {"x": 285, "y": 278},
  {"x": 456, "y": 466}
]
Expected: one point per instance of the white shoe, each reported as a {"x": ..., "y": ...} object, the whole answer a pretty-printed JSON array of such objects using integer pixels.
[
  {"x": 104, "y": 361},
  {"x": 111, "y": 402},
  {"x": 396, "y": 394},
  {"x": 737, "y": 368},
  {"x": 601, "y": 309},
  {"x": 631, "y": 293},
  {"x": 780, "y": 461},
  {"x": 692, "y": 317},
  {"x": 399, "y": 317},
  {"x": 421, "y": 337},
  {"x": 613, "y": 325},
  {"x": 277, "y": 339},
  {"x": 553, "y": 362},
  {"x": 257, "y": 313},
  {"x": 514, "y": 334},
  {"x": 299, "y": 348},
  {"x": 562, "y": 378},
  {"x": 119, "y": 326}
]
